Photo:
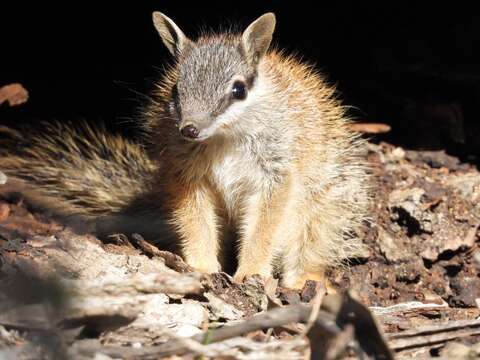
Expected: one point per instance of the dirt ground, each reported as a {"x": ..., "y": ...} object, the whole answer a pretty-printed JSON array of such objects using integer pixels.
[{"x": 71, "y": 295}]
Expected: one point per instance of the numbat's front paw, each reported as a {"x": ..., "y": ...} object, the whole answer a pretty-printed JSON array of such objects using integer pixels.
[
  {"x": 207, "y": 267},
  {"x": 239, "y": 277},
  {"x": 297, "y": 281},
  {"x": 241, "y": 274}
]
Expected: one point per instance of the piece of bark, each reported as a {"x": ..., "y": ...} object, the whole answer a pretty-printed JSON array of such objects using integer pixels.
[
  {"x": 408, "y": 309},
  {"x": 13, "y": 94},
  {"x": 370, "y": 128},
  {"x": 162, "y": 282}
]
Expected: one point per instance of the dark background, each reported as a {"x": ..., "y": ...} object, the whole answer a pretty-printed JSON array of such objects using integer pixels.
[{"x": 409, "y": 64}]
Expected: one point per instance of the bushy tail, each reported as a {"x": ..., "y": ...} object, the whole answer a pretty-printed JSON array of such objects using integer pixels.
[{"x": 75, "y": 169}]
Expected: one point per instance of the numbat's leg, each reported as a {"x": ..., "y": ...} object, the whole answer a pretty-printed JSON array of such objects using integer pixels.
[{"x": 195, "y": 220}]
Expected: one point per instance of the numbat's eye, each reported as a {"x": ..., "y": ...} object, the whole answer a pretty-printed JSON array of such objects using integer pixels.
[{"x": 239, "y": 90}]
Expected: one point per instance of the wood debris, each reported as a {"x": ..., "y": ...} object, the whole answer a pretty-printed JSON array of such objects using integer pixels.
[{"x": 414, "y": 295}]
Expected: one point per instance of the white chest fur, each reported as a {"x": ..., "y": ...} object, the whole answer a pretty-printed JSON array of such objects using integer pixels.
[{"x": 236, "y": 175}]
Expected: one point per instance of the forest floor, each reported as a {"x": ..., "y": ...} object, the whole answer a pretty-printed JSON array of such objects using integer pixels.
[{"x": 66, "y": 295}]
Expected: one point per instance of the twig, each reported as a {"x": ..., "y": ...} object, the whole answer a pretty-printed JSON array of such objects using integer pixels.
[
  {"x": 173, "y": 261},
  {"x": 435, "y": 334}
]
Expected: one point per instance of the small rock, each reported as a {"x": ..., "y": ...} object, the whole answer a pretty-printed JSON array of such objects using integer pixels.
[
  {"x": 400, "y": 196},
  {"x": 289, "y": 296},
  {"x": 476, "y": 258},
  {"x": 435, "y": 159},
  {"x": 381, "y": 279},
  {"x": 467, "y": 184},
  {"x": 451, "y": 240},
  {"x": 8, "y": 337},
  {"x": 456, "y": 350},
  {"x": 398, "y": 153},
  {"x": 311, "y": 289},
  {"x": 406, "y": 209},
  {"x": 3, "y": 178},
  {"x": 392, "y": 249},
  {"x": 221, "y": 310},
  {"x": 4, "y": 211},
  {"x": 183, "y": 319},
  {"x": 408, "y": 272},
  {"x": 467, "y": 290}
]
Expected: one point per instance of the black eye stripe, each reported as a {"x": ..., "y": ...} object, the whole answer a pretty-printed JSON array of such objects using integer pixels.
[{"x": 250, "y": 80}]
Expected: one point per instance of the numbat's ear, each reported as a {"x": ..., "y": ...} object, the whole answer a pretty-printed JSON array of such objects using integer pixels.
[
  {"x": 257, "y": 37},
  {"x": 173, "y": 38}
]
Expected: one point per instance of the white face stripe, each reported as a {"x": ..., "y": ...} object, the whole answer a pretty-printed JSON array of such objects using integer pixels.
[{"x": 238, "y": 107}]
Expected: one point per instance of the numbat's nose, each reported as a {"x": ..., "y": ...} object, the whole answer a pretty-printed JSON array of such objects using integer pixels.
[{"x": 190, "y": 132}]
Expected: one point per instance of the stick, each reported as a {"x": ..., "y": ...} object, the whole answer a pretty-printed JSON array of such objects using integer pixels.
[
  {"x": 434, "y": 334},
  {"x": 270, "y": 319}
]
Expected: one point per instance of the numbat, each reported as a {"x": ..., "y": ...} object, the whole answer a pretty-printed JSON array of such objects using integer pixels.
[{"x": 246, "y": 149}]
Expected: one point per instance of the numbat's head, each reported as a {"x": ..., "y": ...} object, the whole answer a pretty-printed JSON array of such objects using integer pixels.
[{"x": 215, "y": 76}]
